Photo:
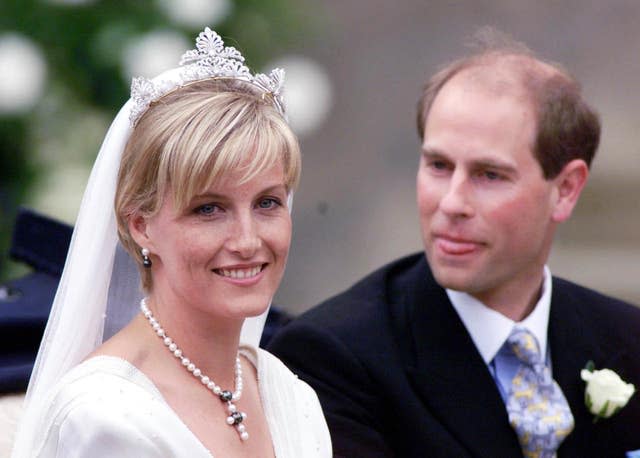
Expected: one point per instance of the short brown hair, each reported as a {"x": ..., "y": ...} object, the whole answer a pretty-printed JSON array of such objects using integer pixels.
[
  {"x": 567, "y": 127},
  {"x": 190, "y": 139}
]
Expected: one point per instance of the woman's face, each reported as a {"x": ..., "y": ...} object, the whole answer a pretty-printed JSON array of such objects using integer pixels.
[{"x": 226, "y": 252}]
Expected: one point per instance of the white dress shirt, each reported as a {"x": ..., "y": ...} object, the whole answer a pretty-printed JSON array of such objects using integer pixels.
[{"x": 489, "y": 330}]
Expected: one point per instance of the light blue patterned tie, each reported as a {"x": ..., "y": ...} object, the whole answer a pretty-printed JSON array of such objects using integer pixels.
[{"x": 538, "y": 411}]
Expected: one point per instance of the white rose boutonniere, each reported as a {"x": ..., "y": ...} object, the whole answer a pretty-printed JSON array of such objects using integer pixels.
[{"x": 606, "y": 393}]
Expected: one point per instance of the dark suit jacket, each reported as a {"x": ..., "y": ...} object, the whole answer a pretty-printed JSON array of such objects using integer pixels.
[{"x": 398, "y": 375}]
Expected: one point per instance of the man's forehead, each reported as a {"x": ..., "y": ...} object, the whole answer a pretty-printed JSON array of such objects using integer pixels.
[
  {"x": 503, "y": 74},
  {"x": 499, "y": 82}
]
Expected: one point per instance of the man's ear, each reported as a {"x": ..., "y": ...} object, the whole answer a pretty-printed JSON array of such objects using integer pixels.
[{"x": 569, "y": 184}]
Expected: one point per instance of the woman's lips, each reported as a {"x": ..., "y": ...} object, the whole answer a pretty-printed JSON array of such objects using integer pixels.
[{"x": 244, "y": 275}]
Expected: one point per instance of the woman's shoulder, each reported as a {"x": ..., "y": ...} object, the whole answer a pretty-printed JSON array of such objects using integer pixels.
[
  {"x": 100, "y": 379},
  {"x": 273, "y": 372},
  {"x": 270, "y": 368},
  {"x": 292, "y": 409},
  {"x": 105, "y": 403}
]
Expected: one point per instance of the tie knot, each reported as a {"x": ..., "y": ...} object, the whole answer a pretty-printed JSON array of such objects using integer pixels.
[{"x": 525, "y": 346}]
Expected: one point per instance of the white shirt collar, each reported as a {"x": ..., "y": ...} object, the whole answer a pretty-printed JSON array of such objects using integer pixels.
[{"x": 489, "y": 329}]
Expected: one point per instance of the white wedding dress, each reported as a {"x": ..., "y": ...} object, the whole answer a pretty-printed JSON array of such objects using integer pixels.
[{"x": 106, "y": 407}]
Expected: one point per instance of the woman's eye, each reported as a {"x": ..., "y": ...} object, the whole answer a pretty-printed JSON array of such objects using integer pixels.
[
  {"x": 268, "y": 203},
  {"x": 207, "y": 209}
]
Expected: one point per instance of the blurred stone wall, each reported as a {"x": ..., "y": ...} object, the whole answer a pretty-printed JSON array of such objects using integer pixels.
[{"x": 355, "y": 209}]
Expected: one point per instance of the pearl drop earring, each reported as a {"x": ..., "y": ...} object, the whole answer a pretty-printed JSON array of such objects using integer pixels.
[{"x": 146, "y": 261}]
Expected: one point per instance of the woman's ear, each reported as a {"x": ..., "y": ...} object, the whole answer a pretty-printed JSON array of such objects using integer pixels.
[
  {"x": 569, "y": 184},
  {"x": 138, "y": 225}
]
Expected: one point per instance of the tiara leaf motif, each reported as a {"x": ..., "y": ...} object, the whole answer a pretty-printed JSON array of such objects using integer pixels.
[{"x": 210, "y": 59}]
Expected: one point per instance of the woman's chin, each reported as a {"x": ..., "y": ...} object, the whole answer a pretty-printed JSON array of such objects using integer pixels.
[
  {"x": 248, "y": 307},
  {"x": 256, "y": 311}
]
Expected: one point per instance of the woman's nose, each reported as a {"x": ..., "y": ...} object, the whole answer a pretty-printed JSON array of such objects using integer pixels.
[{"x": 244, "y": 238}]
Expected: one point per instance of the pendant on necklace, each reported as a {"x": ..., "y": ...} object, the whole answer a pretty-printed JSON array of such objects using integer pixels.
[{"x": 235, "y": 417}]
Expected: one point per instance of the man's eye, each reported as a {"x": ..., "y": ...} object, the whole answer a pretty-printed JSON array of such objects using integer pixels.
[
  {"x": 439, "y": 165},
  {"x": 492, "y": 176}
]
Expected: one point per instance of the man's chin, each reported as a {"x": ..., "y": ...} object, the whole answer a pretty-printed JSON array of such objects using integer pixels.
[{"x": 454, "y": 279}]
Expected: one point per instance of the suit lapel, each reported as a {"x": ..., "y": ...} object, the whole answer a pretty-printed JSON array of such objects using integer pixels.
[
  {"x": 449, "y": 374},
  {"x": 572, "y": 345}
]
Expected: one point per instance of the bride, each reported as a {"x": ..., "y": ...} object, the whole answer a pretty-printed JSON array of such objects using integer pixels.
[{"x": 201, "y": 166}]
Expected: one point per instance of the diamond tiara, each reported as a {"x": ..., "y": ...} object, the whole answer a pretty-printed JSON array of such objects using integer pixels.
[{"x": 210, "y": 59}]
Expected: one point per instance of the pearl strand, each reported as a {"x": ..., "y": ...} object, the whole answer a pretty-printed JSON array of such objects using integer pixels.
[{"x": 235, "y": 417}]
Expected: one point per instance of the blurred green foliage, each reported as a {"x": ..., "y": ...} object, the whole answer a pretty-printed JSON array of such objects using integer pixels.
[{"x": 82, "y": 45}]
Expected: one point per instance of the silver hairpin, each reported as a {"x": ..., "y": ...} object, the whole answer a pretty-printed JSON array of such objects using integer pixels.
[{"x": 210, "y": 59}]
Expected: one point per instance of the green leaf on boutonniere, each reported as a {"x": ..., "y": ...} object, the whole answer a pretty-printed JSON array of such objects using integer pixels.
[
  {"x": 602, "y": 413},
  {"x": 590, "y": 366}
]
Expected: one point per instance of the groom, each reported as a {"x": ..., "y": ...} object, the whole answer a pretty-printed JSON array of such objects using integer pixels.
[{"x": 422, "y": 358}]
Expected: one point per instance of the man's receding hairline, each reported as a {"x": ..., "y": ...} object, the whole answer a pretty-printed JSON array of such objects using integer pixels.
[{"x": 505, "y": 68}]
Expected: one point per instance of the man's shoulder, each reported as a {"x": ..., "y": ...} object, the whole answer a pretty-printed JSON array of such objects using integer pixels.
[
  {"x": 602, "y": 310},
  {"x": 372, "y": 295},
  {"x": 590, "y": 298}
]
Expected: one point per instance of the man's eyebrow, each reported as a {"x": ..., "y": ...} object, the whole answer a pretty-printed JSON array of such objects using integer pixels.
[
  {"x": 479, "y": 163},
  {"x": 489, "y": 163},
  {"x": 433, "y": 152}
]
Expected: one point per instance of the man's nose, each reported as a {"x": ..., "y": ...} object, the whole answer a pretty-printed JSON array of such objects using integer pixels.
[{"x": 457, "y": 199}]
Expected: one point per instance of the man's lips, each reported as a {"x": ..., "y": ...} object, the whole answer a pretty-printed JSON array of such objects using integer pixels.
[{"x": 455, "y": 245}]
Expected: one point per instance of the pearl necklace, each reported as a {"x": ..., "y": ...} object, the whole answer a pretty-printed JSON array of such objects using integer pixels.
[{"x": 235, "y": 417}]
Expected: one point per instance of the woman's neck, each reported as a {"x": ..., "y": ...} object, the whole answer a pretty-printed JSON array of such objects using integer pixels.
[{"x": 210, "y": 342}]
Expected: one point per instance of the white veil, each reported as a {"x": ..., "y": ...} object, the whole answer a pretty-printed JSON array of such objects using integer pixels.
[{"x": 99, "y": 289}]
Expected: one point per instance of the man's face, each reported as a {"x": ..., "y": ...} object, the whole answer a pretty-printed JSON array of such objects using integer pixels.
[{"x": 485, "y": 207}]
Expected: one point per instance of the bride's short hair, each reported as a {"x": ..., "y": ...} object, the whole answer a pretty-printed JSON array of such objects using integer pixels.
[{"x": 190, "y": 139}]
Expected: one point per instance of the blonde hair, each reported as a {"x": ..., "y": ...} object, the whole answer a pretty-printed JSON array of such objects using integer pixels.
[{"x": 189, "y": 140}]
